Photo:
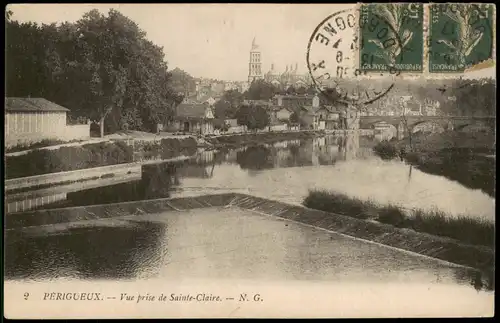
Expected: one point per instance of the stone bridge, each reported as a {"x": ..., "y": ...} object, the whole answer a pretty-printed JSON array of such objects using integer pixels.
[{"x": 430, "y": 123}]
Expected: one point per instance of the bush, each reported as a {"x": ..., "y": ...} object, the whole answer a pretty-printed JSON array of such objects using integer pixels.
[{"x": 385, "y": 150}]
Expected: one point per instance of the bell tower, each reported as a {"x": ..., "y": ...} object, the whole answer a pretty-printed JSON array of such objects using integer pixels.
[{"x": 255, "y": 64}]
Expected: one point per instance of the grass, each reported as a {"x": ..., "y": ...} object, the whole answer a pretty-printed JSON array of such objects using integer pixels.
[
  {"x": 339, "y": 203},
  {"x": 462, "y": 228}
]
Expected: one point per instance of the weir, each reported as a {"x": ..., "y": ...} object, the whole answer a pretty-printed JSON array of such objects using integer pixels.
[{"x": 445, "y": 249}]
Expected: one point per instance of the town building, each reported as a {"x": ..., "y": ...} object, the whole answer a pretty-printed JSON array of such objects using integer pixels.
[
  {"x": 30, "y": 120},
  {"x": 196, "y": 118},
  {"x": 290, "y": 77},
  {"x": 233, "y": 127},
  {"x": 255, "y": 63},
  {"x": 312, "y": 111}
]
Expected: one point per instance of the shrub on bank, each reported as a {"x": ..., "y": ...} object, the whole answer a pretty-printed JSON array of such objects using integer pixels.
[
  {"x": 386, "y": 150},
  {"x": 339, "y": 203},
  {"x": 38, "y": 162},
  {"x": 465, "y": 229}
]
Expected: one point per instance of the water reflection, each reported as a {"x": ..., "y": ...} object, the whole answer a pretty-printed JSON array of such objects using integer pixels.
[
  {"x": 341, "y": 163},
  {"x": 239, "y": 245},
  {"x": 95, "y": 252},
  {"x": 284, "y": 171}
]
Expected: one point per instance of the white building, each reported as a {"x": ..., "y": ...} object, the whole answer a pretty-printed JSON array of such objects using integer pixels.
[{"x": 30, "y": 120}]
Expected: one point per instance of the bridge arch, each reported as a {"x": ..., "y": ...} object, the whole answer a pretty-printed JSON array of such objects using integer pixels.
[{"x": 427, "y": 126}]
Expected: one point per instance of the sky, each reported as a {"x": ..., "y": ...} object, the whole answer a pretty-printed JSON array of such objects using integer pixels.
[
  {"x": 209, "y": 40},
  {"x": 214, "y": 40}
]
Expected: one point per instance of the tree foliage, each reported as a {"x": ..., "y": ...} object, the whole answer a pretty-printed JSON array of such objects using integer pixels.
[
  {"x": 228, "y": 104},
  {"x": 472, "y": 98},
  {"x": 253, "y": 116},
  {"x": 261, "y": 90},
  {"x": 294, "y": 118},
  {"x": 182, "y": 82},
  {"x": 100, "y": 67}
]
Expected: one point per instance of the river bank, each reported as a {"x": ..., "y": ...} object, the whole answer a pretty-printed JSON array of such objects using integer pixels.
[
  {"x": 89, "y": 156},
  {"x": 92, "y": 155},
  {"x": 464, "y": 157}
]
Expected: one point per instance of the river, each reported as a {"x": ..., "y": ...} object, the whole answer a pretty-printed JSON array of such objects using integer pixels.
[
  {"x": 225, "y": 251},
  {"x": 283, "y": 171}
]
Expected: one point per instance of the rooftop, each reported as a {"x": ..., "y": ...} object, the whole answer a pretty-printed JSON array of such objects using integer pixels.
[
  {"x": 191, "y": 110},
  {"x": 32, "y": 105}
]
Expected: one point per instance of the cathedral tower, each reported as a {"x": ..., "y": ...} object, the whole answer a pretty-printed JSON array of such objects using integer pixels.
[{"x": 255, "y": 64}]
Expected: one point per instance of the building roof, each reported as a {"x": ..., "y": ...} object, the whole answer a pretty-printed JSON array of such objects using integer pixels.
[
  {"x": 32, "y": 105},
  {"x": 191, "y": 110}
]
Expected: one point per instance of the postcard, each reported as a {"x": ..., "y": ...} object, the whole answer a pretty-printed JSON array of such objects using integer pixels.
[{"x": 250, "y": 160}]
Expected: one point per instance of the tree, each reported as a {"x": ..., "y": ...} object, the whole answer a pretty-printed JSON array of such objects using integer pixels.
[
  {"x": 222, "y": 109},
  {"x": 227, "y": 106},
  {"x": 311, "y": 90},
  {"x": 473, "y": 97},
  {"x": 291, "y": 90},
  {"x": 221, "y": 125},
  {"x": 8, "y": 15},
  {"x": 253, "y": 116},
  {"x": 100, "y": 67},
  {"x": 261, "y": 90},
  {"x": 294, "y": 118},
  {"x": 301, "y": 90},
  {"x": 182, "y": 82}
]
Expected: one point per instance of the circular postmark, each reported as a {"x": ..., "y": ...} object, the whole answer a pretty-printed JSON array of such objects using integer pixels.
[
  {"x": 461, "y": 36},
  {"x": 338, "y": 64}
]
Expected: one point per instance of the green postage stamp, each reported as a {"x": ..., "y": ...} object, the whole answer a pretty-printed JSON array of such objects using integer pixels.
[
  {"x": 391, "y": 37},
  {"x": 431, "y": 38},
  {"x": 460, "y": 35}
]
